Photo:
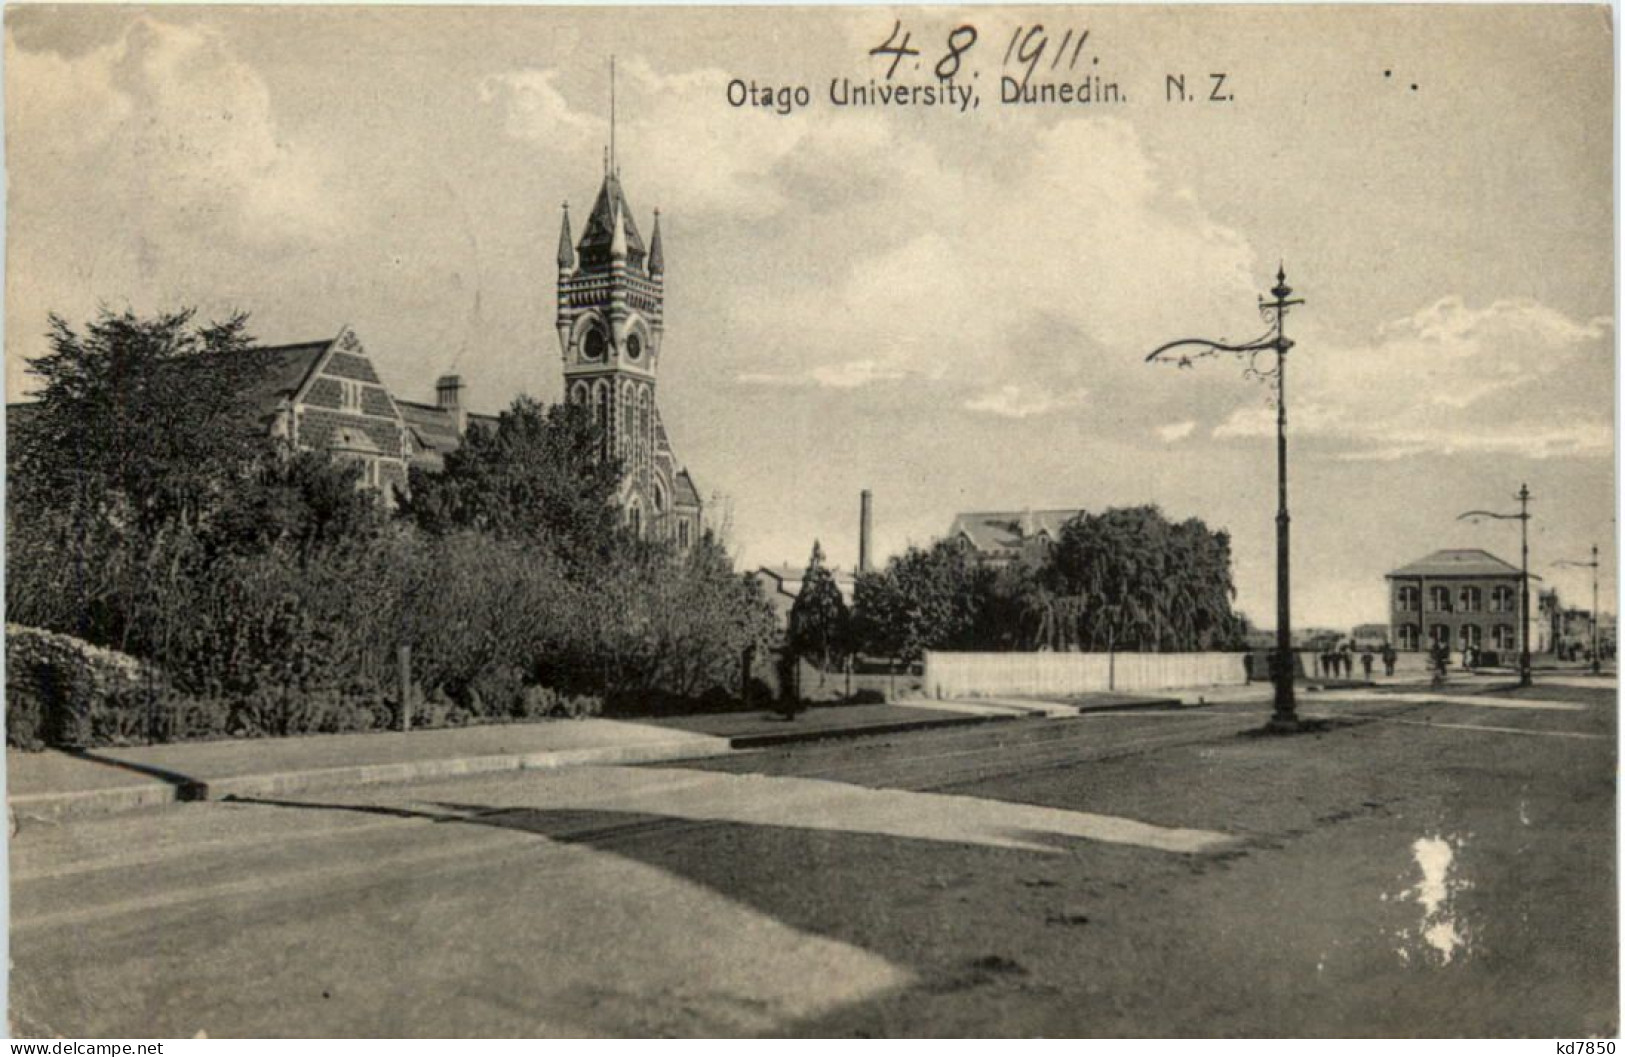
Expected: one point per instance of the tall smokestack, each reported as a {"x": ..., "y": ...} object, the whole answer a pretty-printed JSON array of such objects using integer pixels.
[{"x": 866, "y": 528}]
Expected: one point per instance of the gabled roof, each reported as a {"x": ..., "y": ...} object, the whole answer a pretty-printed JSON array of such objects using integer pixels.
[
  {"x": 600, "y": 228},
  {"x": 1008, "y": 530},
  {"x": 685, "y": 492},
  {"x": 1464, "y": 563},
  {"x": 435, "y": 427},
  {"x": 285, "y": 369}
]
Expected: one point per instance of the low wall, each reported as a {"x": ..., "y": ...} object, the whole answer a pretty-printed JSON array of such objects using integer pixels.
[{"x": 952, "y": 675}]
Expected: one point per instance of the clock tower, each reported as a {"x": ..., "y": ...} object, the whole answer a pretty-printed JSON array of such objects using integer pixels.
[{"x": 611, "y": 324}]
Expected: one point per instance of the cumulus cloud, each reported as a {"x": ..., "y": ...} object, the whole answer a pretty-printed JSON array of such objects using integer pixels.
[
  {"x": 668, "y": 128},
  {"x": 1454, "y": 378},
  {"x": 165, "y": 130}
]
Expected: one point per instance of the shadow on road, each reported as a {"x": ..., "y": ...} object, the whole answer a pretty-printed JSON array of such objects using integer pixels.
[{"x": 189, "y": 788}]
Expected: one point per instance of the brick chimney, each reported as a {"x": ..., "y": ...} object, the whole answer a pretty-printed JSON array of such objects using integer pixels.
[
  {"x": 866, "y": 527},
  {"x": 448, "y": 393}
]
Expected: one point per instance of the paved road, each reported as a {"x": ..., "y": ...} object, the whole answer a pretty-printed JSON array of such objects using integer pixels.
[{"x": 1423, "y": 867}]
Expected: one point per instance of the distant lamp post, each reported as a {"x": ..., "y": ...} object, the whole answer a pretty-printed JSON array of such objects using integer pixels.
[
  {"x": 1184, "y": 353},
  {"x": 1525, "y": 671},
  {"x": 1596, "y": 657}
]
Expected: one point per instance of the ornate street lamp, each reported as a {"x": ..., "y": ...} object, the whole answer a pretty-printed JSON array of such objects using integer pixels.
[
  {"x": 1184, "y": 353},
  {"x": 1596, "y": 657},
  {"x": 1525, "y": 672}
]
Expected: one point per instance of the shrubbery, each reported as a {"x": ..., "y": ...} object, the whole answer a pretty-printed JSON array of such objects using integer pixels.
[{"x": 282, "y": 643}]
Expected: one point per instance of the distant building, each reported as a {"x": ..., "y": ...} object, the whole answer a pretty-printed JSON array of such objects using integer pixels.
[
  {"x": 1460, "y": 598},
  {"x": 1317, "y": 638},
  {"x": 1372, "y": 635},
  {"x": 1566, "y": 628},
  {"x": 1000, "y": 537},
  {"x": 781, "y": 585}
]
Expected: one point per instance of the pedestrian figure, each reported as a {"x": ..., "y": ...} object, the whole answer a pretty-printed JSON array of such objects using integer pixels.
[
  {"x": 1388, "y": 659},
  {"x": 1365, "y": 662},
  {"x": 1441, "y": 662}
]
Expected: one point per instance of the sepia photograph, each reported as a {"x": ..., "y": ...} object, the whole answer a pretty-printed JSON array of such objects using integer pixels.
[{"x": 811, "y": 522}]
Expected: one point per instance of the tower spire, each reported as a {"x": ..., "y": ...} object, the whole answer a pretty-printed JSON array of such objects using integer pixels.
[
  {"x": 612, "y": 169},
  {"x": 657, "y": 254},
  {"x": 567, "y": 249}
]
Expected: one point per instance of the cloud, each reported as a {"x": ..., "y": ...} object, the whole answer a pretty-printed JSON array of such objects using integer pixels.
[
  {"x": 168, "y": 130},
  {"x": 534, "y": 108},
  {"x": 852, "y": 374},
  {"x": 1176, "y": 431},
  {"x": 995, "y": 276},
  {"x": 1015, "y": 401},
  {"x": 667, "y": 130},
  {"x": 1451, "y": 378}
]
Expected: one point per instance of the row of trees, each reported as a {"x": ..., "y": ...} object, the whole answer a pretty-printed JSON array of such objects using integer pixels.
[
  {"x": 1124, "y": 579},
  {"x": 149, "y": 511}
]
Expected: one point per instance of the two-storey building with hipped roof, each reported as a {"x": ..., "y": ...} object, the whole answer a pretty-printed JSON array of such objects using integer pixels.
[{"x": 1461, "y": 598}]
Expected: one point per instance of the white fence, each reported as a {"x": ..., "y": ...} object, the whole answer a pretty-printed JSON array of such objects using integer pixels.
[{"x": 952, "y": 675}]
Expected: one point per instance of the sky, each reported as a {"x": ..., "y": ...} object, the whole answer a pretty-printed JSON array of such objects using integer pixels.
[{"x": 950, "y": 309}]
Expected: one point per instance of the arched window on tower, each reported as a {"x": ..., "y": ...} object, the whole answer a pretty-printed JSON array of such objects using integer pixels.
[
  {"x": 628, "y": 411},
  {"x": 601, "y": 413},
  {"x": 645, "y": 432}
]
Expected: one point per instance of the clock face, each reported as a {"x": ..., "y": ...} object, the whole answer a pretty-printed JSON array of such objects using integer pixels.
[
  {"x": 593, "y": 345},
  {"x": 634, "y": 346}
]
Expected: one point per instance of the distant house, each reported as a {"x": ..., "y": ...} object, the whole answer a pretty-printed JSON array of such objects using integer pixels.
[
  {"x": 1002, "y": 536},
  {"x": 781, "y": 585},
  {"x": 1460, "y": 598}
]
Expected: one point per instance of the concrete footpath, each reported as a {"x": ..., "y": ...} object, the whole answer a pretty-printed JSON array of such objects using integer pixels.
[
  {"x": 58, "y": 784},
  {"x": 55, "y": 784}
]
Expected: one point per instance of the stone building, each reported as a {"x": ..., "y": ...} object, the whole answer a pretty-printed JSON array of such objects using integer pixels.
[
  {"x": 327, "y": 396},
  {"x": 611, "y": 325},
  {"x": 1461, "y": 598}
]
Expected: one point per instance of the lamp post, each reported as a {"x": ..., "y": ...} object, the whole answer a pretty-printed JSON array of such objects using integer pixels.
[
  {"x": 1183, "y": 353},
  {"x": 1525, "y": 672},
  {"x": 1596, "y": 657}
]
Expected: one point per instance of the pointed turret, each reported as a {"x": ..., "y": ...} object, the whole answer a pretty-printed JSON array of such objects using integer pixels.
[
  {"x": 617, "y": 238},
  {"x": 567, "y": 246},
  {"x": 657, "y": 258}
]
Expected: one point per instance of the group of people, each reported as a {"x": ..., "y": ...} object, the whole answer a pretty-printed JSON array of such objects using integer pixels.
[{"x": 1338, "y": 662}]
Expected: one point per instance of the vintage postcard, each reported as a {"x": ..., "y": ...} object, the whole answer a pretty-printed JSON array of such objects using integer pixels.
[{"x": 811, "y": 521}]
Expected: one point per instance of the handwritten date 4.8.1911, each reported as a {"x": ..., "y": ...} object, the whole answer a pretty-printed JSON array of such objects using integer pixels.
[{"x": 1027, "y": 51}]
